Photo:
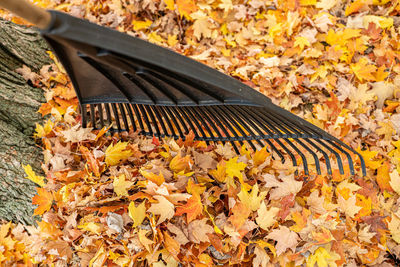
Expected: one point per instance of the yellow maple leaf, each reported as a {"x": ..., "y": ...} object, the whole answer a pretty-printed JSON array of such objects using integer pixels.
[
  {"x": 252, "y": 200},
  {"x": 91, "y": 227},
  {"x": 186, "y": 7},
  {"x": 220, "y": 172},
  {"x": 260, "y": 156},
  {"x": 42, "y": 131},
  {"x": 368, "y": 156},
  {"x": 172, "y": 40},
  {"x": 301, "y": 42},
  {"x": 170, "y": 4},
  {"x": 138, "y": 213},
  {"x": 323, "y": 257},
  {"x": 155, "y": 38},
  {"x": 355, "y": 7},
  {"x": 308, "y": 2},
  {"x": 141, "y": 25},
  {"x": 265, "y": 217},
  {"x": 179, "y": 163},
  {"x": 121, "y": 186},
  {"x": 363, "y": 70},
  {"x": 234, "y": 168},
  {"x": 144, "y": 240},
  {"x": 382, "y": 22},
  {"x": 32, "y": 176},
  {"x": 114, "y": 154},
  {"x": 157, "y": 179}
]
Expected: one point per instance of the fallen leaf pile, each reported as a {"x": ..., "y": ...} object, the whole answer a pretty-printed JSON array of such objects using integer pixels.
[{"x": 130, "y": 200}]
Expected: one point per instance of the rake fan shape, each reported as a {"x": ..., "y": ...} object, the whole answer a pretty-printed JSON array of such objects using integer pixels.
[{"x": 128, "y": 82}]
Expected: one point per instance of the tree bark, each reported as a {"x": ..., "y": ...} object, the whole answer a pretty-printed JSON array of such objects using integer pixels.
[{"x": 19, "y": 103}]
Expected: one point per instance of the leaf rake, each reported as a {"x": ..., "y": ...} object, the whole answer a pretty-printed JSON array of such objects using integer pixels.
[{"x": 129, "y": 83}]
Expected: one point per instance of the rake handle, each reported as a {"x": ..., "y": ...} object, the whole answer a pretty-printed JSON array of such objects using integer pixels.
[{"x": 26, "y": 10}]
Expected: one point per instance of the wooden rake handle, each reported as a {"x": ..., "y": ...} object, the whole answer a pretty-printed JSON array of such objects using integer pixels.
[{"x": 26, "y": 10}]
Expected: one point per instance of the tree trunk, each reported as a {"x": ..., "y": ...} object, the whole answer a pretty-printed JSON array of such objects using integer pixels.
[{"x": 19, "y": 103}]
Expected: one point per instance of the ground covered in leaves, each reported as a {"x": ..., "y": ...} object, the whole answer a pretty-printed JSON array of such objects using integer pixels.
[{"x": 123, "y": 201}]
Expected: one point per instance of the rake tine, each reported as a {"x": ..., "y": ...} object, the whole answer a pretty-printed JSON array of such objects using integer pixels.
[
  {"x": 138, "y": 116},
  {"x": 338, "y": 158},
  {"x": 115, "y": 111},
  {"x": 146, "y": 119},
  {"x": 279, "y": 124},
  {"x": 177, "y": 125},
  {"x": 221, "y": 126},
  {"x": 205, "y": 112},
  {"x": 191, "y": 124},
  {"x": 83, "y": 112},
  {"x": 330, "y": 139},
  {"x": 153, "y": 119},
  {"x": 177, "y": 113},
  {"x": 128, "y": 108},
  {"x": 349, "y": 158},
  {"x": 255, "y": 115},
  {"x": 124, "y": 117},
  {"x": 203, "y": 122},
  {"x": 168, "y": 120},
  {"x": 303, "y": 157},
  {"x": 92, "y": 115},
  {"x": 225, "y": 110},
  {"x": 240, "y": 115},
  {"x": 185, "y": 112},
  {"x": 108, "y": 114},
  {"x": 242, "y": 122},
  {"x": 226, "y": 122},
  {"x": 290, "y": 125},
  {"x": 160, "y": 120},
  {"x": 100, "y": 115},
  {"x": 327, "y": 160}
]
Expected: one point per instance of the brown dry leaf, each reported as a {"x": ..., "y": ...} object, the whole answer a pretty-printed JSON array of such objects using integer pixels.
[
  {"x": 198, "y": 230},
  {"x": 285, "y": 238},
  {"x": 164, "y": 208}
]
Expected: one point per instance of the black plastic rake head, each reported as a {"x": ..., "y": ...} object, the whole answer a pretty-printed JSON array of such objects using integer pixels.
[{"x": 130, "y": 83}]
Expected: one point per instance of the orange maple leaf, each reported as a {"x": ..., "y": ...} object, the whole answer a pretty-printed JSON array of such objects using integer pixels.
[
  {"x": 93, "y": 163},
  {"x": 240, "y": 215},
  {"x": 179, "y": 163},
  {"x": 44, "y": 199},
  {"x": 192, "y": 208},
  {"x": 186, "y": 7}
]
